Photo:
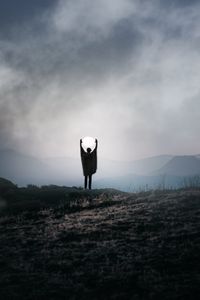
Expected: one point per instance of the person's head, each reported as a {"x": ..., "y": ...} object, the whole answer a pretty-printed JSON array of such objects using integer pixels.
[{"x": 89, "y": 150}]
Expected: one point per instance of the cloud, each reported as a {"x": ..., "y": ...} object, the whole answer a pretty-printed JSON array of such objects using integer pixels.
[
  {"x": 90, "y": 21},
  {"x": 125, "y": 72}
]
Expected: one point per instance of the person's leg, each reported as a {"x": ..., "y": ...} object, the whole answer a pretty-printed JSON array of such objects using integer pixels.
[
  {"x": 90, "y": 182},
  {"x": 85, "y": 182}
]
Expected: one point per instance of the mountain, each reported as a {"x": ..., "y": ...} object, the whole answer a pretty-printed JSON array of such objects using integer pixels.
[
  {"x": 25, "y": 169},
  {"x": 147, "y": 165},
  {"x": 128, "y": 176},
  {"x": 129, "y": 182},
  {"x": 112, "y": 168},
  {"x": 22, "y": 169},
  {"x": 134, "y": 183},
  {"x": 186, "y": 165},
  {"x": 173, "y": 174}
]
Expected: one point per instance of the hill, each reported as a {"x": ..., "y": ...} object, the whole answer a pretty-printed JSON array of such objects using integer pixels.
[
  {"x": 140, "y": 167},
  {"x": 149, "y": 173},
  {"x": 22, "y": 169},
  {"x": 136, "y": 183},
  {"x": 33, "y": 198},
  {"x": 177, "y": 172},
  {"x": 111, "y": 246},
  {"x": 186, "y": 165},
  {"x": 25, "y": 169}
]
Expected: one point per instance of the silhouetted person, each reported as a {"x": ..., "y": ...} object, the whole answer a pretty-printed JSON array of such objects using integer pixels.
[{"x": 89, "y": 163}]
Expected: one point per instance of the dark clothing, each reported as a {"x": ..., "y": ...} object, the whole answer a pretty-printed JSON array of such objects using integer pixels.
[
  {"x": 89, "y": 161},
  {"x": 90, "y": 181}
]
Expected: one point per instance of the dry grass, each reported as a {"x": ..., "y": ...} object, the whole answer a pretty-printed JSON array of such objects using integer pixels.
[{"x": 109, "y": 246}]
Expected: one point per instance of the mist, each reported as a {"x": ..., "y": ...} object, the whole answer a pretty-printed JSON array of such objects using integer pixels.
[{"x": 125, "y": 72}]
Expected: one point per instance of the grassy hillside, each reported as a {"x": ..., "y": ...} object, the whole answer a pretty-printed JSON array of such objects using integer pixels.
[{"x": 103, "y": 244}]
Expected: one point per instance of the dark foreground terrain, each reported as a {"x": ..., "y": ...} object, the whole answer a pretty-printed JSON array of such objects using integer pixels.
[{"x": 104, "y": 245}]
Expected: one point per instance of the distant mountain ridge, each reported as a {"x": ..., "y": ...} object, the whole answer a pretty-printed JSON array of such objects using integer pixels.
[
  {"x": 24, "y": 169},
  {"x": 185, "y": 165}
]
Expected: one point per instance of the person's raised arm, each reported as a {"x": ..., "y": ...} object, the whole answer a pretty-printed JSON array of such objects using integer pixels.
[
  {"x": 81, "y": 148},
  {"x": 96, "y": 144}
]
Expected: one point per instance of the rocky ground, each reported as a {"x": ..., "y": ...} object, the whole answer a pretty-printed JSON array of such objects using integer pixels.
[{"x": 106, "y": 246}]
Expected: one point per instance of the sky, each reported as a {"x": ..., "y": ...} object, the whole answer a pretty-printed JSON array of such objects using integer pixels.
[{"x": 126, "y": 72}]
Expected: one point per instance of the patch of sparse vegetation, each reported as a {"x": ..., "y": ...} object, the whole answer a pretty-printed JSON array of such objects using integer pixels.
[{"x": 100, "y": 244}]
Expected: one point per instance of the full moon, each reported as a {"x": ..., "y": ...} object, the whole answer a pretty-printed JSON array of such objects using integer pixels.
[{"x": 88, "y": 142}]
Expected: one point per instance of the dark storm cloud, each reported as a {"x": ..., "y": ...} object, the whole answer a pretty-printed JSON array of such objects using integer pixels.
[
  {"x": 83, "y": 67},
  {"x": 15, "y": 13},
  {"x": 178, "y": 3},
  {"x": 46, "y": 51},
  {"x": 49, "y": 51}
]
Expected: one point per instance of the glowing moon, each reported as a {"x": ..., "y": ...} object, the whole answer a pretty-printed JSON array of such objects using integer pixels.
[{"x": 88, "y": 142}]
